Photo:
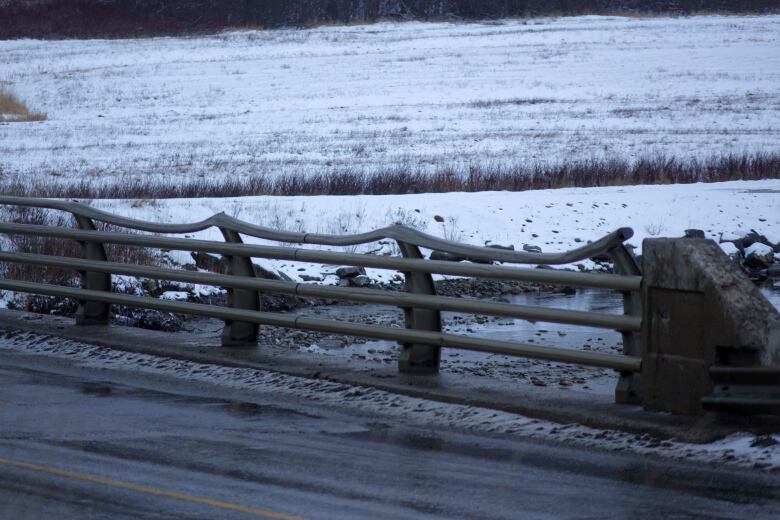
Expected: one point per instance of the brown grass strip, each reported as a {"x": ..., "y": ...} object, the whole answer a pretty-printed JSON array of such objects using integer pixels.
[
  {"x": 13, "y": 109},
  {"x": 402, "y": 180}
]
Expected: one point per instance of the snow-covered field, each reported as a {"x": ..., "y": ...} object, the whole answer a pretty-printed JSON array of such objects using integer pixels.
[
  {"x": 554, "y": 220},
  {"x": 372, "y": 97}
]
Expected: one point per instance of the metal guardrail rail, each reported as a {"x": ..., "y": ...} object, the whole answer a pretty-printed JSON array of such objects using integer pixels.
[{"x": 422, "y": 336}]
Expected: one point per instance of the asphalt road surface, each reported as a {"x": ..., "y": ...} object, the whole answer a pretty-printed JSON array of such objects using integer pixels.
[{"x": 87, "y": 443}]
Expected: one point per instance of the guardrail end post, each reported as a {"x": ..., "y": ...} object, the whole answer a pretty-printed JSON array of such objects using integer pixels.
[
  {"x": 239, "y": 333},
  {"x": 701, "y": 311},
  {"x": 93, "y": 313},
  {"x": 418, "y": 358}
]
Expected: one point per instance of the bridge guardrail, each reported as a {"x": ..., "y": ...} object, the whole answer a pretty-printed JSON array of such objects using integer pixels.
[{"x": 421, "y": 339}]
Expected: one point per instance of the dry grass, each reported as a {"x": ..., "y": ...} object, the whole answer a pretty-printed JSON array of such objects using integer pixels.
[
  {"x": 60, "y": 247},
  {"x": 491, "y": 103},
  {"x": 406, "y": 180},
  {"x": 13, "y": 109},
  {"x": 57, "y": 276}
]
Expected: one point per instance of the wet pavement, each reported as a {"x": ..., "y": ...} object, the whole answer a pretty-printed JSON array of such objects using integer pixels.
[{"x": 78, "y": 442}]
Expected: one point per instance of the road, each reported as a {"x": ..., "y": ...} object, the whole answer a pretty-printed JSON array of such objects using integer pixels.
[{"x": 84, "y": 443}]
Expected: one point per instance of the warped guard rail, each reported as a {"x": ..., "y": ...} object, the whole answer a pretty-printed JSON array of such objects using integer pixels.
[{"x": 422, "y": 337}]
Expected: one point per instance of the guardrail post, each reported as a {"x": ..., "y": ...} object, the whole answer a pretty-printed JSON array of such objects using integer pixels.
[
  {"x": 93, "y": 313},
  {"x": 239, "y": 333},
  {"x": 629, "y": 386},
  {"x": 417, "y": 358}
]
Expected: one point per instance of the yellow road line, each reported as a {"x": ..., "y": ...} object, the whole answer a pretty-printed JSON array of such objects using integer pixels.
[{"x": 267, "y": 513}]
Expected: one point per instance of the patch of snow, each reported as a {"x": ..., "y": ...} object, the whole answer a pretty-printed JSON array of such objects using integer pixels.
[
  {"x": 731, "y": 236},
  {"x": 174, "y": 295},
  {"x": 759, "y": 249},
  {"x": 729, "y": 248}
]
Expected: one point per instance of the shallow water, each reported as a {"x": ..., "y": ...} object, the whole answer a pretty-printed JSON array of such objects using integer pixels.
[{"x": 565, "y": 335}]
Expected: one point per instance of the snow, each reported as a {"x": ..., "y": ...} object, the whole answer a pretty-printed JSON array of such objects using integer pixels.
[
  {"x": 759, "y": 250},
  {"x": 423, "y": 95},
  {"x": 729, "y": 248},
  {"x": 561, "y": 219},
  {"x": 736, "y": 450},
  {"x": 174, "y": 295}
]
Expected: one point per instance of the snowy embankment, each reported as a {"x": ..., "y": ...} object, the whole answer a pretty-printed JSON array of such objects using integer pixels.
[
  {"x": 410, "y": 95},
  {"x": 554, "y": 220}
]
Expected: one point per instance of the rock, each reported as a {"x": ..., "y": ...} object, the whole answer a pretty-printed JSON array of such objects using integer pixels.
[
  {"x": 217, "y": 264},
  {"x": 530, "y": 248},
  {"x": 309, "y": 278},
  {"x": 602, "y": 258},
  {"x": 438, "y": 218},
  {"x": 773, "y": 271},
  {"x": 451, "y": 257},
  {"x": 360, "y": 281},
  {"x": 150, "y": 319},
  {"x": 754, "y": 237},
  {"x": 445, "y": 256},
  {"x": 568, "y": 289},
  {"x": 262, "y": 272},
  {"x": 208, "y": 262},
  {"x": 759, "y": 256},
  {"x": 349, "y": 272},
  {"x": 149, "y": 285},
  {"x": 744, "y": 240},
  {"x": 763, "y": 441},
  {"x": 694, "y": 233}
]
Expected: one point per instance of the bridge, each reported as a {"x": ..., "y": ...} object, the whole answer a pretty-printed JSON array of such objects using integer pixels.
[{"x": 698, "y": 337}]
